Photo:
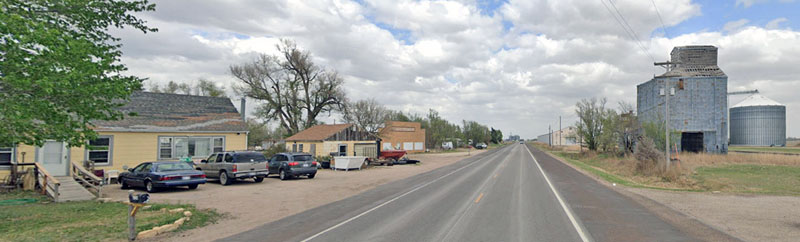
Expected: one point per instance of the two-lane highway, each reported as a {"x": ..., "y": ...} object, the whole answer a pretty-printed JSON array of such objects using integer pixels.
[{"x": 500, "y": 195}]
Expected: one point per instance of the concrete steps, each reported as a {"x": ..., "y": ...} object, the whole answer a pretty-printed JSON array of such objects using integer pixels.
[{"x": 71, "y": 190}]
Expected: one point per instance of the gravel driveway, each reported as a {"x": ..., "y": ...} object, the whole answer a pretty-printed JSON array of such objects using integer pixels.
[{"x": 247, "y": 204}]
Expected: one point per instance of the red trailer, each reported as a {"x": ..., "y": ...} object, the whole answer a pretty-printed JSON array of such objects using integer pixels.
[{"x": 391, "y": 157}]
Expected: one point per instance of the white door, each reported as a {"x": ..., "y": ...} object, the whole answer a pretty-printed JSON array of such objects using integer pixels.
[{"x": 53, "y": 156}]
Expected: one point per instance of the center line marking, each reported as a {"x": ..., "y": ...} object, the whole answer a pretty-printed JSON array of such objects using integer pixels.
[
  {"x": 479, "y": 198},
  {"x": 393, "y": 199}
]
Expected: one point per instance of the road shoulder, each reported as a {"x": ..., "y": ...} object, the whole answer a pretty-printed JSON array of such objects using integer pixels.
[{"x": 684, "y": 222}]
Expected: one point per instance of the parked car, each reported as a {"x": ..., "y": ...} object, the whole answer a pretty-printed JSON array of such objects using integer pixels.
[
  {"x": 293, "y": 164},
  {"x": 162, "y": 174},
  {"x": 229, "y": 166},
  {"x": 481, "y": 146}
]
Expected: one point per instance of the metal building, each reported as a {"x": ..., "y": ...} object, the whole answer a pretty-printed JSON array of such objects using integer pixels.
[
  {"x": 758, "y": 121},
  {"x": 697, "y": 90}
]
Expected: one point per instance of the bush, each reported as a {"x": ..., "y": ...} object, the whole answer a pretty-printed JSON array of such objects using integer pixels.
[
  {"x": 275, "y": 149},
  {"x": 648, "y": 157}
]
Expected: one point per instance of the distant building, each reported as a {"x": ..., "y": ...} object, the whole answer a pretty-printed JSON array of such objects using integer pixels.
[
  {"x": 333, "y": 140},
  {"x": 408, "y": 136},
  {"x": 697, "y": 90},
  {"x": 513, "y": 138},
  {"x": 567, "y": 136}
]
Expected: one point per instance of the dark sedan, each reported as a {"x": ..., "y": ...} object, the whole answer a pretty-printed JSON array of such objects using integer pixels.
[{"x": 163, "y": 174}]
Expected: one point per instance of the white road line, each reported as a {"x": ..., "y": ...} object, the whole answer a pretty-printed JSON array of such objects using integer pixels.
[
  {"x": 578, "y": 228},
  {"x": 387, "y": 202}
]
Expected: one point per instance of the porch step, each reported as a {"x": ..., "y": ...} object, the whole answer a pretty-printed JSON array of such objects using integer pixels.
[{"x": 71, "y": 190}]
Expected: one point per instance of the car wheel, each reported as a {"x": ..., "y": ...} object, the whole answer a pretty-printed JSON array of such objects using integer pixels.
[
  {"x": 312, "y": 176},
  {"x": 149, "y": 187},
  {"x": 258, "y": 179},
  {"x": 366, "y": 162},
  {"x": 224, "y": 179},
  {"x": 283, "y": 175},
  {"x": 193, "y": 186},
  {"x": 123, "y": 185}
]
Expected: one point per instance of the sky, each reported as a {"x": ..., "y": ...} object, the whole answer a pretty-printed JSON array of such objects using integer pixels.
[{"x": 513, "y": 65}]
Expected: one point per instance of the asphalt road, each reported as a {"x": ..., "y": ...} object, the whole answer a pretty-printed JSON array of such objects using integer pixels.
[{"x": 502, "y": 195}]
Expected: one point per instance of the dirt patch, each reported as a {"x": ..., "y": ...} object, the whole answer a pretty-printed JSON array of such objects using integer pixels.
[
  {"x": 246, "y": 204},
  {"x": 751, "y": 218}
]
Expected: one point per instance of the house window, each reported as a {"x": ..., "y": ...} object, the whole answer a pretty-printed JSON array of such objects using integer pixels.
[
  {"x": 6, "y": 155},
  {"x": 165, "y": 148},
  {"x": 300, "y": 148},
  {"x": 219, "y": 144},
  {"x": 99, "y": 150},
  {"x": 192, "y": 147}
]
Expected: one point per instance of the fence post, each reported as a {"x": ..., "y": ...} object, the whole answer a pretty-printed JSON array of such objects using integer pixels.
[{"x": 131, "y": 220}]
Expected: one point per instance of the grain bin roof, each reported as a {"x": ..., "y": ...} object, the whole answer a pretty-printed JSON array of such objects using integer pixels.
[{"x": 756, "y": 100}]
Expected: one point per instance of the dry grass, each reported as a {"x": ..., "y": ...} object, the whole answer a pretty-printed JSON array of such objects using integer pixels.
[{"x": 705, "y": 159}]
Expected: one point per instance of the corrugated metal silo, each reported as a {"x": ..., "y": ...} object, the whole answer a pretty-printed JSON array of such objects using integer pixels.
[{"x": 758, "y": 121}]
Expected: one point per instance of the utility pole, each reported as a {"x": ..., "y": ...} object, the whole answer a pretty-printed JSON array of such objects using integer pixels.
[
  {"x": 549, "y": 136},
  {"x": 667, "y": 92},
  {"x": 560, "y": 131}
]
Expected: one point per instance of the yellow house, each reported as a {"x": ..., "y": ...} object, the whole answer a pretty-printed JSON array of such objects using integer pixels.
[
  {"x": 333, "y": 139},
  {"x": 163, "y": 127}
]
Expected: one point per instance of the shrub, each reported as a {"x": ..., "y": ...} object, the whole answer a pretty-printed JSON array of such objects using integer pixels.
[
  {"x": 275, "y": 149},
  {"x": 647, "y": 157}
]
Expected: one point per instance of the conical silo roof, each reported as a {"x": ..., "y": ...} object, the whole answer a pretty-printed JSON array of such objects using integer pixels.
[{"x": 757, "y": 100}]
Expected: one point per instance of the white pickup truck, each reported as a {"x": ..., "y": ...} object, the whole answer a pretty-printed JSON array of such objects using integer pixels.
[{"x": 232, "y": 165}]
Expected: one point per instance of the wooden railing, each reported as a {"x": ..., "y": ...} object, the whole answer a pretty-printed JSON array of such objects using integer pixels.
[
  {"x": 45, "y": 183},
  {"x": 87, "y": 179}
]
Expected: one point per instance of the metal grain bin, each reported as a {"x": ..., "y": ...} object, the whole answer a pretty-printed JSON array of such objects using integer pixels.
[{"x": 758, "y": 121}]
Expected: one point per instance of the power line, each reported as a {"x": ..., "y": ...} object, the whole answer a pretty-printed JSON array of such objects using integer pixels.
[
  {"x": 635, "y": 36},
  {"x": 663, "y": 26},
  {"x": 627, "y": 27}
]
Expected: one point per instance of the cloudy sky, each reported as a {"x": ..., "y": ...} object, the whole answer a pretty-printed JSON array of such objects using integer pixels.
[{"x": 514, "y": 65}]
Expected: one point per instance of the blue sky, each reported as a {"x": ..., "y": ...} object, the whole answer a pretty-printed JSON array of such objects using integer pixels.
[{"x": 716, "y": 13}]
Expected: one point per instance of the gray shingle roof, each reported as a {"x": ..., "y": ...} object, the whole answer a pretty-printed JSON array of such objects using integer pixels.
[{"x": 163, "y": 112}]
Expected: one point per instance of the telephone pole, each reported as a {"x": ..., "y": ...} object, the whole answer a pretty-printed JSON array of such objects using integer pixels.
[
  {"x": 667, "y": 92},
  {"x": 560, "y": 132}
]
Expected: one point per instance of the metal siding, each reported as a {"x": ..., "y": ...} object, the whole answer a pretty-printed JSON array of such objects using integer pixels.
[
  {"x": 758, "y": 125},
  {"x": 700, "y": 107}
]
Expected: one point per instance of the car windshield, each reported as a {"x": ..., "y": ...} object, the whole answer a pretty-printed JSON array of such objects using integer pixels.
[
  {"x": 249, "y": 157},
  {"x": 177, "y": 166},
  {"x": 303, "y": 158}
]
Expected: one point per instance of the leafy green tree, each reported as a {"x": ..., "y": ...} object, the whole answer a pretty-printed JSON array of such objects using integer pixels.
[
  {"x": 497, "y": 136},
  {"x": 59, "y": 67},
  {"x": 207, "y": 88},
  {"x": 591, "y": 114}
]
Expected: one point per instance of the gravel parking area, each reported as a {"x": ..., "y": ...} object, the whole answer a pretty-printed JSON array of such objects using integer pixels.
[
  {"x": 247, "y": 204},
  {"x": 748, "y": 217}
]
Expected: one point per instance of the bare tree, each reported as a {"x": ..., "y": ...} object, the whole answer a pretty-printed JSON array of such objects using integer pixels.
[
  {"x": 367, "y": 114},
  {"x": 294, "y": 89}
]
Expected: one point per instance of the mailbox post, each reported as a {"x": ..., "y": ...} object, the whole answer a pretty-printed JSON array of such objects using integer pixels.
[{"x": 134, "y": 203}]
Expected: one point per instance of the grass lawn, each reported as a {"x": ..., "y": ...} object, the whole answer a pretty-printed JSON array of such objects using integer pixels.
[
  {"x": 85, "y": 220},
  {"x": 742, "y": 178},
  {"x": 790, "y": 150}
]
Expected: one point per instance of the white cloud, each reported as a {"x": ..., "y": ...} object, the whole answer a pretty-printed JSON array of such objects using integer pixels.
[
  {"x": 733, "y": 26},
  {"x": 775, "y": 23},
  {"x": 748, "y": 3},
  {"x": 458, "y": 61}
]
